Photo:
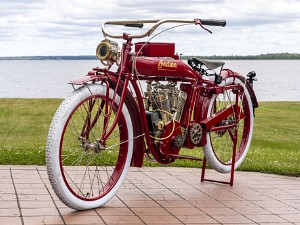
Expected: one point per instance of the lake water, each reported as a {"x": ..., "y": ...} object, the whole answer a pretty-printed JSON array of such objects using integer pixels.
[{"x": 278, "y": 80}]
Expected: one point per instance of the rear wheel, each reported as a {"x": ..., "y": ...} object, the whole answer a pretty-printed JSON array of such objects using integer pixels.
[
  {"x": 220, "y": 144},
  {"x": 84, "y": 172}
]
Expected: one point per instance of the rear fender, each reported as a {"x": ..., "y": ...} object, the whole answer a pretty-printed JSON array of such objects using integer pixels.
[
  {"x": 229, "y": 73},
  {"x": 202, "y": 102}
]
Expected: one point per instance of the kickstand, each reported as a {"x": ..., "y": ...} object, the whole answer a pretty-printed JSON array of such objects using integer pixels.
[{"x": 217, "y": 181}]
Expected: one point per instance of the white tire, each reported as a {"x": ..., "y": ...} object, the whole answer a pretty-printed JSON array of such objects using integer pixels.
[
  {"x": 64, "y": 178},
  {"x": 218, "y": 150}
]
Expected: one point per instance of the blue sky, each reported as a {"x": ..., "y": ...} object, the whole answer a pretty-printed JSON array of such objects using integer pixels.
[{"x": 72, "y": 27}]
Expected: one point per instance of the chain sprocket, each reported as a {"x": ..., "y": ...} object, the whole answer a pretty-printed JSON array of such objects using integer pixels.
[{"x": 195, "y": 133}]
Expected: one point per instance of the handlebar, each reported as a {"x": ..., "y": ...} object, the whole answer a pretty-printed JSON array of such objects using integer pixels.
[
  {"x": 157, "y": 23},
  {"x": 221, "y": 23},
  {"x": 138, "y": 25}
]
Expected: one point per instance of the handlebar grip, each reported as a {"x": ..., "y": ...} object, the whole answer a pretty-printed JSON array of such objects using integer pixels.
[
  {"x": 138, "y": 25},
  {"x": 221, "y": 23}
]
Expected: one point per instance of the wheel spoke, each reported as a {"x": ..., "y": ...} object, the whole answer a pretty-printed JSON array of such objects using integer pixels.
[
  {"x": 91, "y": 172},
  {"x": 83, "y": 169}
]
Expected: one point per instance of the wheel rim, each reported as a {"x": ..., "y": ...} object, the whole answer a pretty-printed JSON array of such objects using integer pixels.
[
  {"x": 88, "y": 171},
  {"x": 221, "y": 141}
]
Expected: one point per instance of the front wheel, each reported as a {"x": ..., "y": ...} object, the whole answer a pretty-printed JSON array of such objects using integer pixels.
[
  {"x": 220, "y": 144},
  {"x": 84, "y": 172}
]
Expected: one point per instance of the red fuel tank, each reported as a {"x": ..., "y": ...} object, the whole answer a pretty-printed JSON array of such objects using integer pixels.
[{"x": 164, "y": 67}]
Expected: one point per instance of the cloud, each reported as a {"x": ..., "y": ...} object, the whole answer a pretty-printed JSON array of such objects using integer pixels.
[{"x": 63, "y": 27}]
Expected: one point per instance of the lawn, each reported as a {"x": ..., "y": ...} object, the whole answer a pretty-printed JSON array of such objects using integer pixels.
[{"x": 275, "y": 145}]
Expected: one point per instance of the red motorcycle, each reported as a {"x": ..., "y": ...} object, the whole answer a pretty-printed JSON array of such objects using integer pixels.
[{"x": 109, "y": 122}]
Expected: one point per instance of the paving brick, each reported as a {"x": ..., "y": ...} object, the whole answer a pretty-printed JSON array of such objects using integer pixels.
[
  {"x": 294, "y": 218},
  {"x": 160, "y": 220},
  {"x": 113, "y": 211},
  {"x": 234, "y": 219},
  {"x": 8, "y": 205},
  {"x": 117, "y": 219},
  {"x": 192, "y": 211},
  {"x": 82, "y": 220},
  {"x": 157, "y": 211},
  {"x": 39, "y": 212},
  {"x": 10, "y": 220},
  {"x": 36, "y": 204},
  {"x": 66, "y": 211},
  {"x": 199, "y": 219},
  {"x": 42, "y": 220},
  {"x": 156, "y": 196},
  {"x": 13, "y": 212},
  {"x": 266, "y": 219},
  {"x": 219, "y": 211}
]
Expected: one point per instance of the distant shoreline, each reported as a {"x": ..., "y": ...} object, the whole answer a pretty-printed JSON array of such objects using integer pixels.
[{"x": 269, "y": 56}]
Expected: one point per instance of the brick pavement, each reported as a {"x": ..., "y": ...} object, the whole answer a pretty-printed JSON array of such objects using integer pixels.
[{"x": 155, "y": 196}]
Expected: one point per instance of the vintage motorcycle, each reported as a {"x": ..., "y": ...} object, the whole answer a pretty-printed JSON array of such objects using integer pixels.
[{"x": 109, "y": 122}]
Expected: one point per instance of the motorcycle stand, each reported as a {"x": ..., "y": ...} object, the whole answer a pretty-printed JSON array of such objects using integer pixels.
[{"x": 231, "y": 173}]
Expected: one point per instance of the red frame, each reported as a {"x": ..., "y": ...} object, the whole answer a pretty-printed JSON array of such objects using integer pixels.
[{"x": 161, "y": 70}]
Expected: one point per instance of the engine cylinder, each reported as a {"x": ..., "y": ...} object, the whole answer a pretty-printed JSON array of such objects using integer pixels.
[{"x": 167, "y": 99}]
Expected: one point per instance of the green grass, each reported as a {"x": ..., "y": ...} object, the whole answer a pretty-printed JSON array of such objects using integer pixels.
[
  {"x": 275, "y": 146},
  {"x": 24, "y": 125}
]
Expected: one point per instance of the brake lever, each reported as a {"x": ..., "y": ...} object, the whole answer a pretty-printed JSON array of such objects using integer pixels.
[{"x": 198, "y": 22}]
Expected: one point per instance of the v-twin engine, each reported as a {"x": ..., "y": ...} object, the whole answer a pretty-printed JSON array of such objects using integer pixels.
[{"x": 166, "y": 99}]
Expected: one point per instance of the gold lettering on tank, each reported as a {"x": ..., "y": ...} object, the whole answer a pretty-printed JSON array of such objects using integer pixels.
[{"x": 167, "y": 65}]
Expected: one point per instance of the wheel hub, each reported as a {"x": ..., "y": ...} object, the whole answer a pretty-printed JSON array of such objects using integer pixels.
[
  {"x": 225, "y": 122},
  {"x": 91, "y": 146}
]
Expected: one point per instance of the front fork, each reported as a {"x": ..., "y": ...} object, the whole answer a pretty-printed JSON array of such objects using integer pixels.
[
  {"x": 106, "y": 106},
  {"x": 107, "y": 130}
]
